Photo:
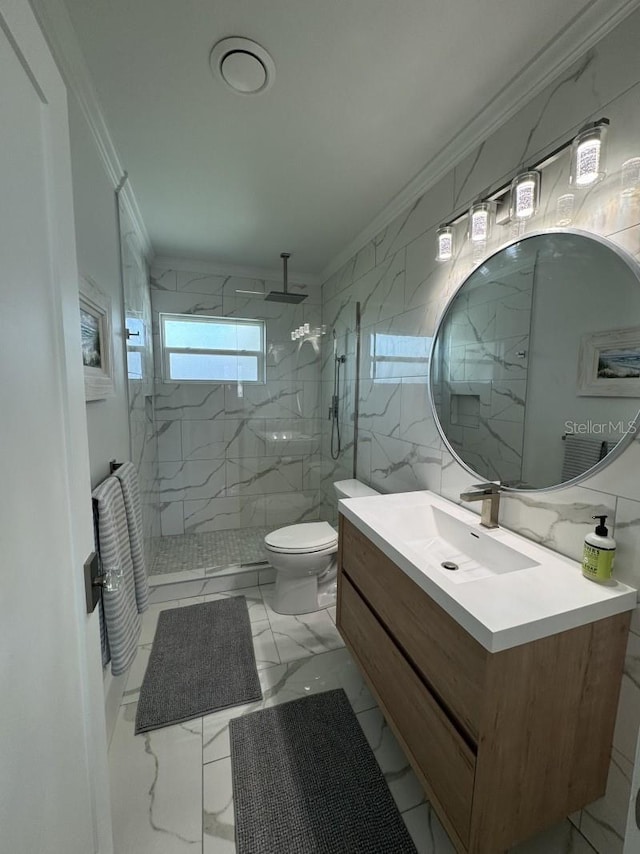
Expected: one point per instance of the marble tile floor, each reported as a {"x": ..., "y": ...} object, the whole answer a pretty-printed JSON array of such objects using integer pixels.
[
  {"x": 211, "y": 550},
  {"x": 171, "y": 788}
]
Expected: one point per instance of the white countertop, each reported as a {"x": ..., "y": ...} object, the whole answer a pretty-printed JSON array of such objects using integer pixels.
[{"x": 499, "y": 611}]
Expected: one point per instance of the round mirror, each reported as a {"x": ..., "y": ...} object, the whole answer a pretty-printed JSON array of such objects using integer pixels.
[{"x": 535, "y": 372}]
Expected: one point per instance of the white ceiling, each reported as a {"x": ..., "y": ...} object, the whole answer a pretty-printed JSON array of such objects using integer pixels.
[{"x": 366, "y": 93}]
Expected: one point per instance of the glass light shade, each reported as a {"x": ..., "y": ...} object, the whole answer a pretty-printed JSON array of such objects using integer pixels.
[
  {"x": 564, "y": 209},
  {"x": 294, "y": 334},
  {"x": 631, "y": 176},
  {"x": 306, "y": 328},
  {"x": 480, "y": 222},
  {"x": 587, "y": 157},
  {"x": 525, "y": 195},
  {"x": 445, "y": 243}
]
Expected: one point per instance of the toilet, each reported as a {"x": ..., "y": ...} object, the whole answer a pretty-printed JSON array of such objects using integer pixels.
[{"x": 304, "y": 557}]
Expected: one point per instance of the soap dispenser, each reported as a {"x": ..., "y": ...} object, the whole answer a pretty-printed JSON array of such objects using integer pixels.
[{"x": 599, "y": 552}]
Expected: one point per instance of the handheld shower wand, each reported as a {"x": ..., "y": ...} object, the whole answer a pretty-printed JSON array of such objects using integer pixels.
[{"x": 334, "y": 409}]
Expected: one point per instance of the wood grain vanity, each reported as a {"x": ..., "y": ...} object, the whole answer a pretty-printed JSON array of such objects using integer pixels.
[{"x": 504, "y": 743}]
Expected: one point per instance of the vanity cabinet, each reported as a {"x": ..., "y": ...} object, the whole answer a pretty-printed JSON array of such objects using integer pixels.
[{"x": 504, "y": 743}]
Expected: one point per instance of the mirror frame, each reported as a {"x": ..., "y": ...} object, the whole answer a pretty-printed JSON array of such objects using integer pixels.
[{"x": 629, "y": 436}]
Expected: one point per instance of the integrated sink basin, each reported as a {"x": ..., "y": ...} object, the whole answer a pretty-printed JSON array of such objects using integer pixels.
[
  {"x": 502, "y": 588},
  {"x": 463, "y": 551}
]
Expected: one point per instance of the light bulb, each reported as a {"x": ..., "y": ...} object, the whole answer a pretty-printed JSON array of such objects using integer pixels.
[
  {"x": 445, "y": 243},
  {"x": 587, "y": 162},
  {"x": 525, "y": 192},
  {"x": 587, "y": 156},
  {"x": 480, "y": 222}
]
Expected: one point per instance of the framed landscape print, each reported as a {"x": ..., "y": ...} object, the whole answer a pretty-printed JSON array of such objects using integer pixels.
[
  {"x": 95, "y": 332},
  {"x": 609, "y": 364}
]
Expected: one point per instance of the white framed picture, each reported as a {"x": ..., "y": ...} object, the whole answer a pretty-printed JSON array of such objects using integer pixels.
[
  {"x": 95, "y": 332},
  {"x": 609, "y": 363}
]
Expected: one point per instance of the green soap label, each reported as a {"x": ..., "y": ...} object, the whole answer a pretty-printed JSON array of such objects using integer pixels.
[{"x": 597, "y": 563}]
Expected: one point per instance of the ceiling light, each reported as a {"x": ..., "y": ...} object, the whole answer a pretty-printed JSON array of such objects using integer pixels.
[
  {"x": 244, "y": 65},
  {"x": 445, "y": 243},
  {"x": 587, "y": 155},
  {"x": 525, "y": 193}
]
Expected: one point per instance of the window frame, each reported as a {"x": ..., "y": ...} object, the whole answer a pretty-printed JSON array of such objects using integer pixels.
[{"x": 166, "y": 351}]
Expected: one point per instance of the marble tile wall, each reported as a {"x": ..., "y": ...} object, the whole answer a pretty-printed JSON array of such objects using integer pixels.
[
  {"x": 233, "y": 457},
  {"x": 144, "y": 445},
  {"x": 402, "y": 290}
]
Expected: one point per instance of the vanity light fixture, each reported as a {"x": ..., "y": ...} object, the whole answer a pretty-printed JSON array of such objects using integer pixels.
[
  {"x": 480, "y": 222},
  {"x": 587, "y": 168},
  {"x": 525, "y": 195},
  {"x": 445, "y": 243},
  {"x": 587, "y": 155}
]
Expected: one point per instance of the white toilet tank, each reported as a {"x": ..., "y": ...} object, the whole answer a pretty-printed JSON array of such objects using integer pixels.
[{"x": 353, "y": 489}]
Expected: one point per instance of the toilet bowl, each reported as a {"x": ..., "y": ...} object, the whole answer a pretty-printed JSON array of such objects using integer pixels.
[{"x": 304, "y": 557}]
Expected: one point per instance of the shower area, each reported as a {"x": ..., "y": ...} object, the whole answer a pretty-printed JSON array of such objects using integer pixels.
[{"x": 239, "y": 454}]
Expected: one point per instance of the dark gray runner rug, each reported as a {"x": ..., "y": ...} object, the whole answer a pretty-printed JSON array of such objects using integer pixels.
[
  {"x": 202, "y": 660},
  {"x": 305, "y": 781}
]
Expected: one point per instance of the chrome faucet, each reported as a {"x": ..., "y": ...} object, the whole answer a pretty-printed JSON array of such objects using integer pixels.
[{"x": 489, "y": 494}]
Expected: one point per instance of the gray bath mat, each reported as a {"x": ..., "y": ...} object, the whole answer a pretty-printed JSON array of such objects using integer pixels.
[
  {"x": 305, "y": 781},
  {"x": 202, "y": 660}
]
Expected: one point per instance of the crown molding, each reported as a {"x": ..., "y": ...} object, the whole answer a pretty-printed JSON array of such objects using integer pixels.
[
  {"x": 579, "y": 36},
  {"x": 212, "y": 268},
  {"x": 58, "y": 31}
]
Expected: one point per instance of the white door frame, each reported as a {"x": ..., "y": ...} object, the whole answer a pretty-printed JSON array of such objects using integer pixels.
[{"x": 84, "y": 672}]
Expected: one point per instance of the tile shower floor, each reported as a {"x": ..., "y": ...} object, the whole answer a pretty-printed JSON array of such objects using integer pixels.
[
  {"x": 210, "y": 550},
  {"x": 171, "y": 788}
]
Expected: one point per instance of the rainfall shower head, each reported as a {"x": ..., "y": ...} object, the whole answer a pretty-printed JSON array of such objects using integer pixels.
[{"x": 284, "y": 295}]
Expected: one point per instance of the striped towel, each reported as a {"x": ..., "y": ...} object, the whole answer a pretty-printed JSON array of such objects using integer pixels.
[
  {"x": 580, "y": 454},
  {"x": 128, "y": 477},
  {"x": 120, "y": 607}
]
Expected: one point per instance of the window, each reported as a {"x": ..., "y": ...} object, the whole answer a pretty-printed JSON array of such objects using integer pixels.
[
  {"x": 135, "y": 347},
  {"x": 197, "y": 348},
  {"x": 394, "y": 356}
]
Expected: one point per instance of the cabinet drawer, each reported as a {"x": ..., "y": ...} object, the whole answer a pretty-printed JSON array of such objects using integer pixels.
[
  {"x": 451, "y": 661},
  {"x": 434, "y": 747}
]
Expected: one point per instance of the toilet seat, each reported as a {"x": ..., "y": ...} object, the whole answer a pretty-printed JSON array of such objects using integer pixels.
[{"x": 305, "y": 538}]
